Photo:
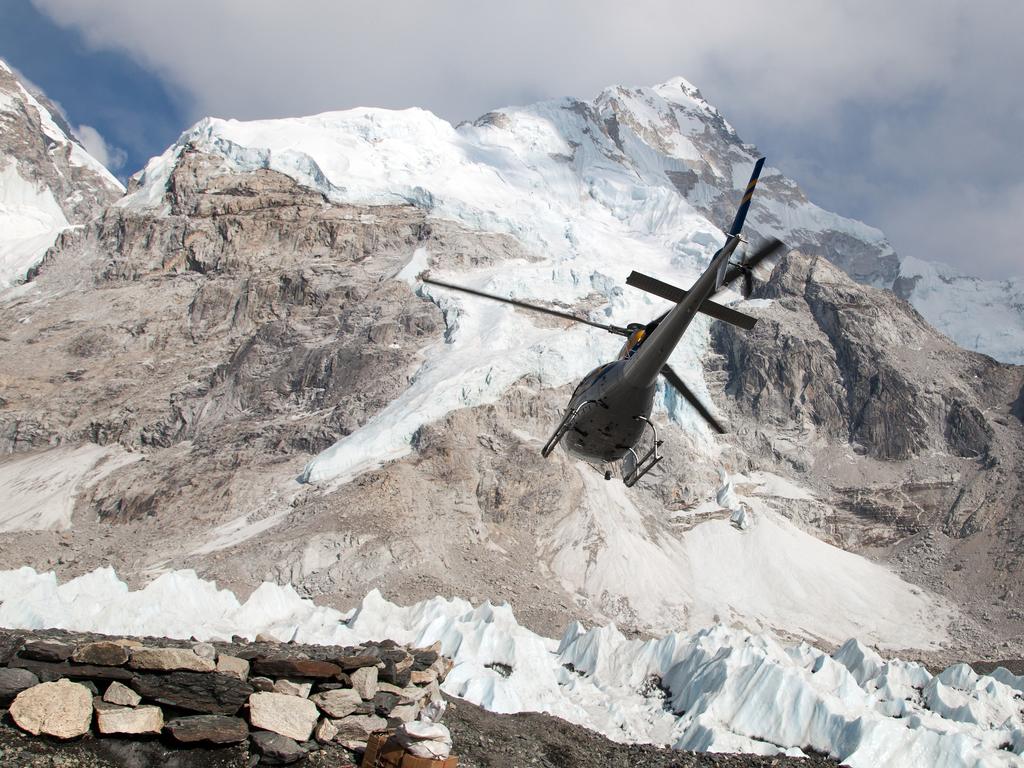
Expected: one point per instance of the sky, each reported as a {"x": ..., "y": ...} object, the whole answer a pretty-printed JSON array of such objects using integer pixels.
[{"x": 904, "y": 115}]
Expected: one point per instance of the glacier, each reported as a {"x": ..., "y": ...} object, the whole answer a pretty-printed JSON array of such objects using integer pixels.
[
  {"x": 716, "y": 689},
  {"x": 31, "y": 218}
]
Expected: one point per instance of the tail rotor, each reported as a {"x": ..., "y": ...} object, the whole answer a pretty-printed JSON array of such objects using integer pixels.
[{"x": 745, "y": 267}]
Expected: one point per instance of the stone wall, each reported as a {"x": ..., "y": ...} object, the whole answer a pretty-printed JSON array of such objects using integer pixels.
[{"x": 285, "y": 701}]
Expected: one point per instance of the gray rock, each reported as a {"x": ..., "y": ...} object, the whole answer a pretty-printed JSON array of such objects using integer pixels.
[
  {"x": 337, "y": 703},
  {"x": 146, "y": 719},
  {"x": 47, "y": 650},
  {"x": 120, "y": 694},
  {"x": 358, "y": 727},
  {"x": 206, "y": 692},
  {"x": 290, "y": 668},
  {"x": 276, "y": 749},
  {"x": 205, "y": 651},
  {"x": 103, "y": 653},
  {"x": 384, "y": 702},
  {"x": 967, "y": 431},
  {"x": 397, "y": 667},
  {"x": 213, "y": 729},
  {"x": 405, "y": 713},
  {"x": 291, "y": 688},
  {"x": 62, "y": 709},
  {"x": 352, "y": 662},
  {"x": 169, "y": 659},
  {"x": 48, "y": 671},
  {"x": 261, "y": 683},
  {"x": 232, "y": 665},
  {"x": 422, "y": 678},
  {"x": 325, "y": 731},
  {"x": 216, "y": 729},
  {"x": 10, "y": 644},
  {"x": 424, "y": 657},
  {"x": 13, "y": 682},
  {"x": 364, "y": 681}
]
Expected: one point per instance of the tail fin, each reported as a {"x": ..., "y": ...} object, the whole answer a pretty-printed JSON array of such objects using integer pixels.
[
  {"x": 737, "y": 224},
  {"x": 741, "y": 214}
]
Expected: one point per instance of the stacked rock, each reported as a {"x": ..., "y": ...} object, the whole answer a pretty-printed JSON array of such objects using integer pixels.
[{"x": 287, "y": 699}]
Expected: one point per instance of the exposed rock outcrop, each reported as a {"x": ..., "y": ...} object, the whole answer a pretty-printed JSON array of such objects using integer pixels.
[{"x": 832, "y": 361}]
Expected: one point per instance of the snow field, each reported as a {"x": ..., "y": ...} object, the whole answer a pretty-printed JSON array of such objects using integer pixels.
[
  {"x": 30, "y": 220},
  {"x": 971, "y": 311},
  {"x": 725, "y": 688},
  {"x": 769, "y": 575}
]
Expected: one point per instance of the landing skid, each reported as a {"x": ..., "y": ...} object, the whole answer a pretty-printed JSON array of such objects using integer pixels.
[
  {"x": 634, "y": 467},
  {"x": 564, "y": 426}
]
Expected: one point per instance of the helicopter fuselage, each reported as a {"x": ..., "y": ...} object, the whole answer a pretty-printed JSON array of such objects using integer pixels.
[{"x": 609, "y": 414}]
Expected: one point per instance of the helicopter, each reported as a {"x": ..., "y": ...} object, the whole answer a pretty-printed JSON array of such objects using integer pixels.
[{"x": 610, "y": 409}]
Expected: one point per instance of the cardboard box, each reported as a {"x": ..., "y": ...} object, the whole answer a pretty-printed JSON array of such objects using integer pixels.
[
  {"x": 411, "y": 761},
  {"x": 384, "y": 752},
  {"x": 380, "y": 754}
]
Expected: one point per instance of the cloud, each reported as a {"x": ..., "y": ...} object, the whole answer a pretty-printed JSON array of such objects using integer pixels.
[
  {"x": 112, "y": 157},
  {"x": 900, "y": 96}
]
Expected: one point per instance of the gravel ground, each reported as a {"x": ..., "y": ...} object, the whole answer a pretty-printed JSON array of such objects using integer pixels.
[
  {"x": 485, "y": 740},
  {"x": 482, "y": 740}
]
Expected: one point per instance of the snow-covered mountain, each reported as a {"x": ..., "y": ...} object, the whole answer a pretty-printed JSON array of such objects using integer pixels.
[
  {"x": 235, "y": 369},
  {"x": 48, "y": 181},
  {"x": 981, "y": 315}
]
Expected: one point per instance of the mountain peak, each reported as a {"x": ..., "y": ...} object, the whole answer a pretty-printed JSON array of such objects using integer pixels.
[{"x": 48, "y": 181}]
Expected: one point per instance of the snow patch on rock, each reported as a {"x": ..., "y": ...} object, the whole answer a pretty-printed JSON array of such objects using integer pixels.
[{"x": 38, "y": 491}]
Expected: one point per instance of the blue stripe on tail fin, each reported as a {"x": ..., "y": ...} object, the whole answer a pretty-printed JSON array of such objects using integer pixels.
[{"x": 741, "y": 214}]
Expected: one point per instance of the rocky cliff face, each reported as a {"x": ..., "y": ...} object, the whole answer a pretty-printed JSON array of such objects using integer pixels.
[
  {"x": 47, "y": 180},
  {"x": 210, "y": 350},
  {"x": 915, "y": 439}
]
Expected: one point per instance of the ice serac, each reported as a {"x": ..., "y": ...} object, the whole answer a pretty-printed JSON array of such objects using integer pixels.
[
  {"x": 47, "y": 179},
  {"x": 720, "y": 688}
]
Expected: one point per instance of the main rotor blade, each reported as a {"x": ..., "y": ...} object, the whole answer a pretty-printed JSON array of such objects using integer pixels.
[
  {"x": 748, "y": 284},
  {"x": 673, "y": 378},
  {"x": 532, "y": 307}
]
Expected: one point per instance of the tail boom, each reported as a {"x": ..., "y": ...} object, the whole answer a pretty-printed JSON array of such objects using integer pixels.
[{"x": 643, "y": 369}]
